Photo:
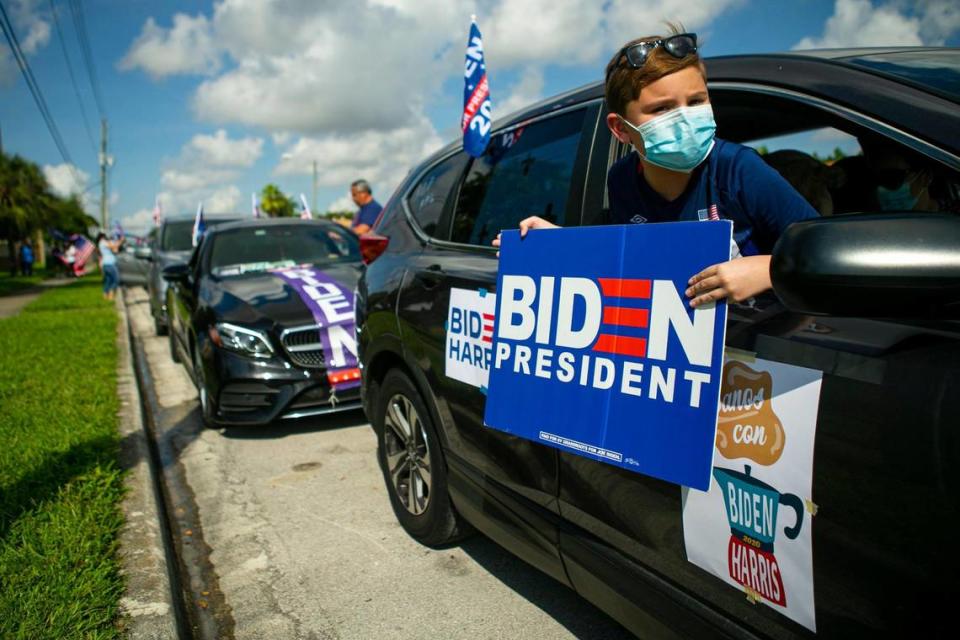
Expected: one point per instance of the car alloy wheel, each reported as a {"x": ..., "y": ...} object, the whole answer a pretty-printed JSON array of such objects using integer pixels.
[
  {"x": 411, "y": 459},
  {"x": 206, "y": 408},
  {"x": 407, "y": 454}
]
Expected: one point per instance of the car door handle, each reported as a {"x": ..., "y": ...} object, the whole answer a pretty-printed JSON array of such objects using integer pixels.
[{"x": 430, "y": 277}]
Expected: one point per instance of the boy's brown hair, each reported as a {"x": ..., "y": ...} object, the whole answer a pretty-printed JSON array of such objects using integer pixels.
[{"x": 624, "y": 84}]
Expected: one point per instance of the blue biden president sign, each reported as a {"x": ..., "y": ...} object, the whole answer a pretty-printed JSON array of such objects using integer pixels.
[{"x": 597, "y": 352}]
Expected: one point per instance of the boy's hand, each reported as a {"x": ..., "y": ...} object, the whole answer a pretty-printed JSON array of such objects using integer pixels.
[
  {"x": 533, "y": 222},
  {"x": 735, "y": 280}
]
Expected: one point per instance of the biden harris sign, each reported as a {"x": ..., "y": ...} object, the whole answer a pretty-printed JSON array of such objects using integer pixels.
[{"x": 597, "y": 352}]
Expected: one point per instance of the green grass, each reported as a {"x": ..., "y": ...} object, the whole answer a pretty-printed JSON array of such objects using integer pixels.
[{"x": 60, "y": 485}]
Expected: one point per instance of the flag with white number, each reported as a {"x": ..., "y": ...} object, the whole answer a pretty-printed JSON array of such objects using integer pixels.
[{"x": 476, "y": 120}]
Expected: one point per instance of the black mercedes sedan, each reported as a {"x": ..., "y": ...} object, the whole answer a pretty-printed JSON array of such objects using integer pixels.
[
  {"x": 832, "y": 508},
  {"x": 262, "y": 317}
]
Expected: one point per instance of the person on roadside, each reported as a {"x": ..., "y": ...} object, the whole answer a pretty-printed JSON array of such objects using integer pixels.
[
  {"x": 370, "y": 209},
  {"x": 658, "y": 102},
  {"x": 26, "y": 258},
  {"x": 108, "y": 264}
]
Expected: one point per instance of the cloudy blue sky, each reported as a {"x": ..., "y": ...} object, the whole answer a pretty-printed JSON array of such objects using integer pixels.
[{"x": 213, "y": 100}]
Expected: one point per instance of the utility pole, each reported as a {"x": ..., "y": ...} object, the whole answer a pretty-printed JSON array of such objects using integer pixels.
[
  {"x": 103, "y": 175},
  {"x": 315, "y": 186}
]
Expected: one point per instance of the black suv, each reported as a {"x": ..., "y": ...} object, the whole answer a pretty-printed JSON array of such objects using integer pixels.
[{"x": 863, "y": 298}]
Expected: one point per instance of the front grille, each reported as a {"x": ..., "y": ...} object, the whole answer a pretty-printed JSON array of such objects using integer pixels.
[
  {"x": 303, "y": 346},
  {"x": 246, "y": 397}
]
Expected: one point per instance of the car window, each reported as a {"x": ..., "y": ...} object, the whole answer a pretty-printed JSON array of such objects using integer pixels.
[
  {"x": 177, "y": 236},
  {"x": 837, "y": 165},
  {"x": 427, "y": 199},
  {"x": 808, "y": 161},
  {"x": 250, "y": 249},
  {"x": 525, "y": 172}
]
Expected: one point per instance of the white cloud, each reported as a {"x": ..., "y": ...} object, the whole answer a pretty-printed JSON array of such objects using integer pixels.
[
  {"x": 548, "y": 31},
  {"x": 32, "y": 27},
  {"x": 525, "y": 92},
  {"x": 628, "y": 19},
  {"x": 347, "y": 82},
  {"x": 381, "y": 159},
  {"x": 65, "y": 180},
  {"x": 185, "y": 48},
  {"x": 339, "y": 66},
  {"x": 206, "y": 170},
  {"x": 224, "y": 200},
  {"x": 343, "y": 203},
  {"x": 218, "y": 149},
  {"x": 138, "y": 222},
  {"x": 860, "y": 23}
]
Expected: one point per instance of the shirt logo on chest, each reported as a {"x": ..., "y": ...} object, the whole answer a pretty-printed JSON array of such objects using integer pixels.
[{"x": 638, "y": 219}]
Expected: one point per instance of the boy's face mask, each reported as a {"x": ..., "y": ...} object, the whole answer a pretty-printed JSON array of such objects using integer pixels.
[{"x": 678, "y": 140}]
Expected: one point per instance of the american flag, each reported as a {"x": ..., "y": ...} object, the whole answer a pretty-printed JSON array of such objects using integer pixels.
[
  {"x": 256, "y": 205},
  {"x": 84, "y": 248},
  {"x": 305, "y": 213},
  {"x": 156, "y": 212},
  {"x": 117, "y": 229}
]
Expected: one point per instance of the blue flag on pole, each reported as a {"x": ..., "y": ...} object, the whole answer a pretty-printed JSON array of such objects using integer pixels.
[
  {"x": 199, "y": 226},
  {"x": 476, "y": 119}
]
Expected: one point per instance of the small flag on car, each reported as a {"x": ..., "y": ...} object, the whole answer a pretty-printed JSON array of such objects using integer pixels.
[
  {"x": 476, "y": 120},
  {"x": 305, "y": 213},
  {"x": 256, "y": 206},
  {"x": 157, "y": 213},
  {"x": 199, "y": 226}
]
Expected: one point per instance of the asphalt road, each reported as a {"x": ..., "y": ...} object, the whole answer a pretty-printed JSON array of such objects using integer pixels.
[{"x": 300, "y": 540}]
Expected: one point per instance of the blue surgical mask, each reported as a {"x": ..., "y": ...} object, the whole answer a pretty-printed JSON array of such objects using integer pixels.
[
  {"x": 899, "y": 199},
  {"x": 680, "y": 139}
]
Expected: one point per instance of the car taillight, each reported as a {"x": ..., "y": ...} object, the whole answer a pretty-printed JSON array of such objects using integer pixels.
[{"x": 372, "y": 246}]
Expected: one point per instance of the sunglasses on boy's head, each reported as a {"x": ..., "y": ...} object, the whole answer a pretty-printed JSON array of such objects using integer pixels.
[{"x": 679, "y": 46}]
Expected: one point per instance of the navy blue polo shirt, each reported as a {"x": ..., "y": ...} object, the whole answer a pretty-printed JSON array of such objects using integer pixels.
[
  {"x": 367, "y": 214},
  {"x": 745, "y": 189}
]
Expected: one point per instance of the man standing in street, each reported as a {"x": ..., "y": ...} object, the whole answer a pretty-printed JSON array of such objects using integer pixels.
[{"x": 369, "y": 208}]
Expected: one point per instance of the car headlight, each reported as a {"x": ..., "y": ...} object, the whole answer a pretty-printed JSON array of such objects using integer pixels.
[{"x": 249, "y": 342}]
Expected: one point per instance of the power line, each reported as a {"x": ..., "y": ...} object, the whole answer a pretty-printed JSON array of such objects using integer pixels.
[
  {"x": 80, "y": 25},
  {"x": 73, "y": 79},
  {"x": 31, "y": 81}
]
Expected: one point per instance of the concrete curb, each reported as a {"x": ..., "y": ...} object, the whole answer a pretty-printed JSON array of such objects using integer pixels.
[{"x": 147, "y": 604}]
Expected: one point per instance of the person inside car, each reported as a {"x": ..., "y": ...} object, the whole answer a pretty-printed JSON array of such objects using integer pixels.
[{"x": 657, "y": 95}]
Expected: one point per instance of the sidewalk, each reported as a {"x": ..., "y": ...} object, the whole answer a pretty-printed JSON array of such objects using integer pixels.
[{"x": 12, "y": 305}]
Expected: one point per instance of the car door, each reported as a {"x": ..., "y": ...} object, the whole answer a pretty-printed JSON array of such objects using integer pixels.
[
  {"x": 885, "y": 453},
  {"x": 534, "y": 168}
]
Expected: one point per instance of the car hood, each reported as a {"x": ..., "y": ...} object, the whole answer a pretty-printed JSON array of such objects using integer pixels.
[{"x": 264, "y": 299}]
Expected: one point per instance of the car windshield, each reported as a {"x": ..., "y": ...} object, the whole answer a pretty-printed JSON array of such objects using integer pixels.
[
  {"x": 938, "y": 71},
  {"x": 177, "y": 236},
  {"x": 239, "y": 251}
]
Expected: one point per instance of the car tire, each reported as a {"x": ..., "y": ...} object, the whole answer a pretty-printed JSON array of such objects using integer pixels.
[
  {"x": 208, "y": 408},
  {"x": 412, "y": 463}
]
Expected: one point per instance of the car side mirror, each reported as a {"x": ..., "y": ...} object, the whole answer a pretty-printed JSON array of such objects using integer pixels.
[
  {"x": 870, "y": 265},
  {"x": 143, "y": 253},
  {"x": 177, "y": 273}
]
